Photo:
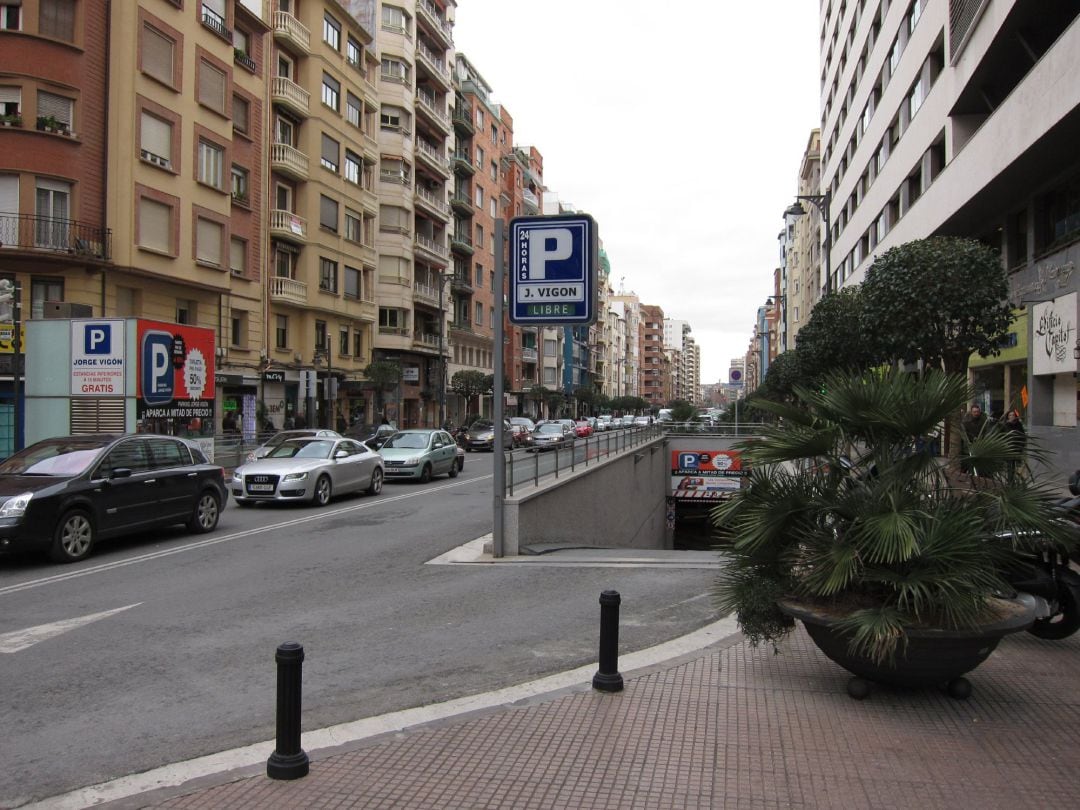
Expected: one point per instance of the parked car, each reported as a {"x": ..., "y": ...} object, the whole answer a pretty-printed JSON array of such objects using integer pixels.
[
  {"x": 311, "y": 468},
  {"x": 642, "y": 421},
  {"x": 553, "y": 435},
  {"x": 285, "y": 435},
  {"x": 66, "y": 493},
  {"x": 583, "y": 428},
  {"x": 604, "y": 422},
  {"x": 371, "y": 435},
  {"x": 421, "y": 454},
  {"x": 481, "y": 436},
  {"x": 522, "y": 435}
]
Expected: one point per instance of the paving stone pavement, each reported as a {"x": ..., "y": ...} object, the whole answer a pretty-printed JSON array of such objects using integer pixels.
[{"x": 730, "y": 726}]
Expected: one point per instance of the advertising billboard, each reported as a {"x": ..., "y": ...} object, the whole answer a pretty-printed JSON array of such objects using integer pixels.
[
  {"x": 705, "y": 474},
  {"x": 98, "y": 358},
  {"x": 176, "y": 371}
]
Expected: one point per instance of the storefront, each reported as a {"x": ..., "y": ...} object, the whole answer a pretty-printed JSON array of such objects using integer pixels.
[{"x": 1000, "y": 382}]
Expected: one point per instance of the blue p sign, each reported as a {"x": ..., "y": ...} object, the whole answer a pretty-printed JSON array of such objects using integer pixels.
[
  {"x": 158, "y": 375},
  {"x": 97, "y": 338},
  {"x": 688, "y": 461}
]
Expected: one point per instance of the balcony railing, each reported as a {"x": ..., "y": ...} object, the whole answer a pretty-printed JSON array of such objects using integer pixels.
[
  {"x": 431, "y": 246},
  {"x": 290, "y": 93},
  {"x": 429, "y": 12},
  {"x": 288, "y": 223},
  {"x": 288, "y": 290},
  {"x": 33, "y": 232},
  {"x": 433, "y": 201},
  {"x": 286, "y": 25},
  {"x": 428, "y": 103},
  {"x": 426, "y": 294},
  {"x": 289, "y": 159},
  {"x": 426, "y": 339},
  {"x": 436, "y": 63},
  {"x": 528, "y": 355},
  {"x": 216, "y": 23}
]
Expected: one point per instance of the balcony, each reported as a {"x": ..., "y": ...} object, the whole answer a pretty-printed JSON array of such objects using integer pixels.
[
  {"x": 435, "y": 65},
  {"x": 462, "y": 163},
  {"x": 289, "y": 94},
  {"x": 287, "y": 225},
  {"x": 432, "y": 249},
  {"x": 461, "y": 282},
  {"x": 528, "y": 355},
  {"x": 433, "y": 110},
  {"x": 52, "y": 235},
  {"x": 532, "y": 203},
  {"x": 289, "y": 161},
  {"x": 461, "y": 243},
  {"x": 426, "y": 294},
  {"x": 426, "y": 340},
  {"x": 462, "y": 122},
  {"x": 462, "y": 204},
  {"x": 216, "y": 23},
  {"x": 432, "y": 204},
  {"x": 432, "y": 20},
  {"x": 288, "y": 290},
  {"x": 433, "y": 158},
  {"x": 290, "y": 30}
]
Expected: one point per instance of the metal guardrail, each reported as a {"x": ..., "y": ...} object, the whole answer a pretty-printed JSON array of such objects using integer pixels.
[
  {"x": 722, "y": 429},
  {"x": 525, "y": 465}
]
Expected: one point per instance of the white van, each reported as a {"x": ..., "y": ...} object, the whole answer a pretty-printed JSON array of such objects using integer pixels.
[{"x": 664, "y": 415}]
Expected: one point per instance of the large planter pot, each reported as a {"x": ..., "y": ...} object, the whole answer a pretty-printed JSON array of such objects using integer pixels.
[{"x": 932, "y": 656}]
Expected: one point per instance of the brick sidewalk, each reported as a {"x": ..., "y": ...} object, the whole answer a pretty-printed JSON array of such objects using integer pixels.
[{"x": 731, "y": 727}]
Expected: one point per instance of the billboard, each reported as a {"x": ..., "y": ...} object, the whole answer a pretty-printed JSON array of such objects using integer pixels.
[
  {"x": 98, "y": 358},
  {"x": 175, "y": 371},
  {"x": 705, "y": 474}
]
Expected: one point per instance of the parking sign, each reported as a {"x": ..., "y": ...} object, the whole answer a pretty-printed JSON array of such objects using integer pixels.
[
  {"x": 98, "y": 358},
  {"x": 553, "y": 269}
]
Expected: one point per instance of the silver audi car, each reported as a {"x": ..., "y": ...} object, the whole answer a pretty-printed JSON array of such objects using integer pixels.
[{"x": 309, "y": 469}]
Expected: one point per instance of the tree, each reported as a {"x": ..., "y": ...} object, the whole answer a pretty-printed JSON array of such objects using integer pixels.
[
  {"x": 681, "y": 410},
  {"x": 785, "y": 372},
  {"x": 832, "y": 339},
  {"x": 938, "y": 300},
  {"x": 384, "y": 375},
  {"x": 470, "y": 383},
  {"x": 586, "y": 395}
]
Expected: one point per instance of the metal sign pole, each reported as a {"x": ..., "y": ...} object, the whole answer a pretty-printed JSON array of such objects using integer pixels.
[{"x": 499, "y": 386}]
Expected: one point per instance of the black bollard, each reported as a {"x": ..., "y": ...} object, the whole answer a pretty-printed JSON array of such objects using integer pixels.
[
  {"x": 608, "y": 677},
  {"x": 288, "y": 760}
]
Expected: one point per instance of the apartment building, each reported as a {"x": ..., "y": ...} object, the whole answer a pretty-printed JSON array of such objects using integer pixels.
[
  {"x": 55, "y": 240},
  {"x": 802, "y": 255},
  {"x": 524, "y": 193},
  {"x": 627, "y": 309},
  {"x": 415, "y": 95},
  {"x": 654, "y": 379},
  {"x": 961, "y": 118}
]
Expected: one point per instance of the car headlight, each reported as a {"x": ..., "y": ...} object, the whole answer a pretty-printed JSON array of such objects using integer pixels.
[
  {"x": 295, "y": 476},
  {"x": 237, "y": 476},
  {"x": 411, "y": 462},
  {"x": 15, "y": 507}
]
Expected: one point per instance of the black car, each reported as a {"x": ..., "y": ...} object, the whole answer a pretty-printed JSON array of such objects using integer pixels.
[
  {"x": 65, "y": 493},
  {"x": 374, "y": 436}
]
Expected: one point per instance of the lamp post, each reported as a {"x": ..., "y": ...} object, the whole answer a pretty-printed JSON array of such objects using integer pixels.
[
  {"x": 443, "y": 278},
  {"x": 821, "y": 202}
]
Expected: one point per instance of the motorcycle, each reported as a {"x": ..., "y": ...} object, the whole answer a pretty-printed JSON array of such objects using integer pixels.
[{"x": 1049, "y": 579}]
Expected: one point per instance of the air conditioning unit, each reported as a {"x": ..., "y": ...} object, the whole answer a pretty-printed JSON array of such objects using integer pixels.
[{"x": 65, "y": 309}]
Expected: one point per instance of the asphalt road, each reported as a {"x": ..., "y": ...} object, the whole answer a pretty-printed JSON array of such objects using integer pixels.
[{"x": 180, "y": 663}]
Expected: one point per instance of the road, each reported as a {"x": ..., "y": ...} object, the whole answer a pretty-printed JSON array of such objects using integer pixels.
[{"x": 159, "y": 649}]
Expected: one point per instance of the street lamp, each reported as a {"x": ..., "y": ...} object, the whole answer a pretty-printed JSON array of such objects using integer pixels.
[{"x": 821, "y": 202}]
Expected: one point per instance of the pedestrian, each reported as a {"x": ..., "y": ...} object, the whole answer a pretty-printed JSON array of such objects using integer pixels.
[
  {"x": 1014, "y": 430},
  {"x": 228, "y": 424},
  {"x": 974, "y": 422}
]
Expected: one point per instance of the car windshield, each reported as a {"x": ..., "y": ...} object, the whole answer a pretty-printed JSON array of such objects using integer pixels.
[
  {"x": 550, "y": 427},
  {"x": 302, "y": 448},
  {"x": 61, "y": 457},
  {"x": 410, "y": 441},
  {"x": 482, "y": 424}
]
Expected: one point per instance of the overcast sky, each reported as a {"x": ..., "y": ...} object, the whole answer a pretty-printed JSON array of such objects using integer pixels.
[{"x": 679, "y": 127}]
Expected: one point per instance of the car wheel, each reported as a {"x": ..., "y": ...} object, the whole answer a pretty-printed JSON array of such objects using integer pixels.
[
  {"x": 425, "y": 474},
  {"x": 375, "y": 487},
  {"x": 453, "y": 469},
  {"x": 207, "y": 511},
  {"x": 74, "y": 537},
  {"x": 322, "y": 490}
]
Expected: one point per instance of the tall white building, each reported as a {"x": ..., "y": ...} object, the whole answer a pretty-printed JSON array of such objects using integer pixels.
[{"x": 962, "y": 118}]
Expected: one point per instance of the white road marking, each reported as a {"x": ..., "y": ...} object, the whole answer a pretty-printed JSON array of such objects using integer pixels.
[
  {"x": 257, "y": 753},
  {"x": 225, "y": 538},
  {"x": 21, "y": 639}
]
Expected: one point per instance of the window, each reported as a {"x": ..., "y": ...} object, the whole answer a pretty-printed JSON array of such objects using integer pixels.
[
  {"x": 281, "y": 332},
  {"x": 9, "y": 193},
  {"x": 352, "y": 167},
  {"x": 394, "y": 19},
  {"x": 186, "y": 311},
  {"x": 238, "y": 328},
  {"x": 493, "y": 208},
  {"x": 358, "y": 344},
  {"x": 241, "y": 111},
  {"x": 494, "y": 134},
  {"x": 10, "y": 100},
  {"x": 479, "y": 319},
  {"x": 391, "y": 318},
  {"x": 352, "y": 282},
  {"x": 494, "y": 171},
  {"x": 211, "y": 164},
  {"x": 328, "y": 275},
  {"x": 155, "y": 225},
  {"x": 155, "y": 140},
  {"x": 240, "y": 191},
  {"x": 479, "y": 276},
  {"x": 42, "y": 290},
  {"x": 53, "y": 208},
  {"x": 353, "y": 227},
  {"x": 237, "y": 256},
  {"x": 354, "y": 109},
  {"x": 56, "y": 19},
  {"x": 212, "y": 86},
  {"x": 491, "y": 279},
  {"x": 209, "y": 239},
  {"x": 329, "y": 153},
  {"x": 479, "y": 118},
  {"x": 284, "y": 131},
  {"x": 10, "y": 18},
  {"x": 393, "y": 70},
  {"x": 479, "y": 236},
  {"x": 328, "y": 213},
  {"x": 284, "y": 260},
  {"x": 241, "y": 41},
  {"x": 353, "y": 53},
  {"x": 479, "y": 156},
  {"x": 331, "y": 32},
  {"x": 343, "y": 341},
  {"x": 56, "y": 110},
  {"x": 491, "y": 317},
  {"x": 331, "y": 92},
  {"x": 320, "y": 336},
  {"x": 479, "y": 198},
  {"x": 394, "y": 118}
]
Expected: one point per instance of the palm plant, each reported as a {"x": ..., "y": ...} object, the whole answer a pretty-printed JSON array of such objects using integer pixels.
[{"x": 842, "y": 512}]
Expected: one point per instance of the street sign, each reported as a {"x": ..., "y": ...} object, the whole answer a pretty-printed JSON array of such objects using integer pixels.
[{"x": 553, "y": 270}]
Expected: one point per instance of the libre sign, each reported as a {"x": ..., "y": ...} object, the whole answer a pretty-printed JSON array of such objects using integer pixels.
[
  {"x": 97, "y": 358},
  {"x": 553, "y": 270}
]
